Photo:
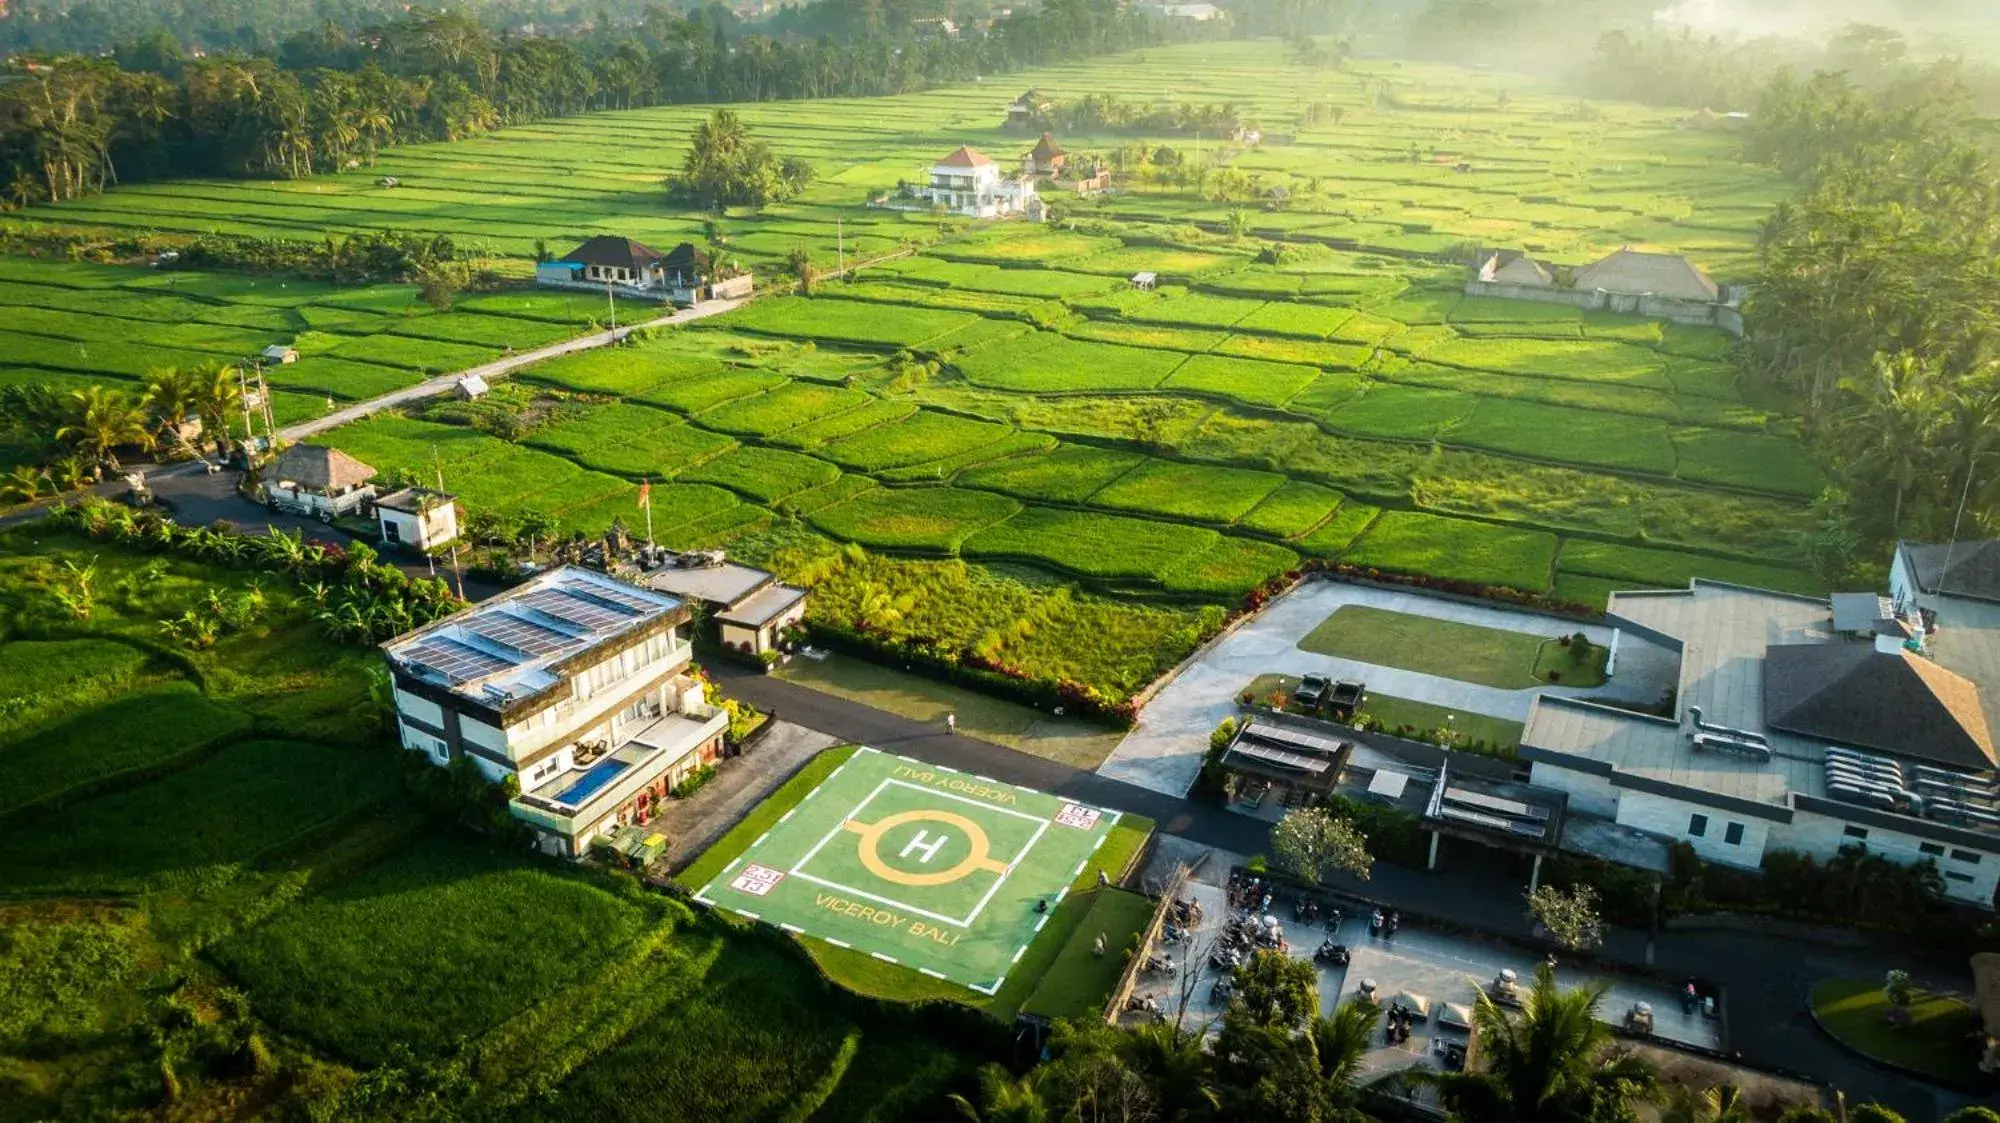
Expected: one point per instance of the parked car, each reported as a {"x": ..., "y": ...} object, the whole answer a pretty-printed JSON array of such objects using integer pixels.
[
  {"x": 1345, "y": 698},
  {"x": 1312, "y": 692}
]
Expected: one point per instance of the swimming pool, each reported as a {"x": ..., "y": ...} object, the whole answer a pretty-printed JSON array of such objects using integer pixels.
[{"x": 591, "y": 782}]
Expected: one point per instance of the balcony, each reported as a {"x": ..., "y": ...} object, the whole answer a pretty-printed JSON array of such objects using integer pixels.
[{"x": 572, "y": 800}]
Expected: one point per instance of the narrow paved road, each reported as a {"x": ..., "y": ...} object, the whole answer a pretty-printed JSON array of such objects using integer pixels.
[
  {"x": 444, "y": 383},
  {"x": 1765, "y": 977}
]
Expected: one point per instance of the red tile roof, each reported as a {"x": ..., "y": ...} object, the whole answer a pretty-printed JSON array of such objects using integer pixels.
[{"x": 964, "y": 157}]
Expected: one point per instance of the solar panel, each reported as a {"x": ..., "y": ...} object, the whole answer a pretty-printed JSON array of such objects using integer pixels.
[
  {"x": 592, "y": 616},
  {"x": 456, "y": 661},
  {"x": 1280, "y": 757},
  {"x": 1292, "y": 737},
  {"x": 1493, "y": 822},
  {"x": 631, "y": 600},
  {"x": 1513, "y": 807},
  {"x": 520, "y": 633}
]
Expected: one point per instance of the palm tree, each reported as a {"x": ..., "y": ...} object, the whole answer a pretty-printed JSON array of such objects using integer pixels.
[
  {"x": 218, "y": 397},
  {"x": 1175, "y": 1063},
  {"x": 172, "y": 397},
  {"x": 1551, "y": 1063},
  {"x": 1897, "y": 410},
  {"x": 1005, "y": 1101},
  {"x": 1339, "y": 1041},
  {"x": 23, "y": 484},
  {"x": 101, "y": 421},
  {"x": 1722, "y": 1103}
]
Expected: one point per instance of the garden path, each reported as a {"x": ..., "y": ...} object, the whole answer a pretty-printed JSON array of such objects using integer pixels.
[
  {"x": 1163, "y": 752},
  {"x": 445, "y": 383},
  {"x": 740, "y": 783}
]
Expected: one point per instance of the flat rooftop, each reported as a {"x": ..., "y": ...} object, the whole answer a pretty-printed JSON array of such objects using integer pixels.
[
  {"x": 723, "y": 584},
  {"x": 764, "y": 606},
  {"x": 506, "y": 648}
]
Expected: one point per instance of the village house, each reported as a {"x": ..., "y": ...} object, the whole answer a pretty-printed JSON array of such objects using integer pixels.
[
  {"x": 1660, "y": 285},
  {"x": 1512, "y": 267},
  {"x": 317, "y": 481},
  {"x": 280, "y": 354},
  {"x": 417, "y": 518},
  {"x": 751, "y": 607},
  {"x": 576, "y": 685},
  {"x": 969, "y": 184},
  {"x": 1048, "y": 161},
  {"x": 684, "y": 275},
  {"x": 1805, "y": 723},
  {"x": 1047, "y": 157},
  {"x": 1024, "y": 111}
]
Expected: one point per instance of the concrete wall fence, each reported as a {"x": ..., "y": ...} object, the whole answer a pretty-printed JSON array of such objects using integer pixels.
[{"x": 1727, "y": 317}]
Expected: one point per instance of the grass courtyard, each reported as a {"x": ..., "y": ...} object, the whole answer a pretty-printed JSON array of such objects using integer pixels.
[
  {"x": 1450, "y": 649},
  {"x": 1933, "y": 1043},
  {"x": 1404, "y": 716}
]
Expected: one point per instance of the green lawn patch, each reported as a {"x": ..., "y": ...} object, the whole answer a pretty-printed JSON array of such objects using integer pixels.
[
  {"x": 1445, "y": 648},
  {"x": 1292, "y": 510},
  {"x": 1932, "y": 1044},
  {"x": 1565, "y": 664},
  {"x": 1078, "y": 981},
  {"x": 761, "y": 817},
  {"x": 1641, "y": 568},
  {"x": 1468, "y": 729}
]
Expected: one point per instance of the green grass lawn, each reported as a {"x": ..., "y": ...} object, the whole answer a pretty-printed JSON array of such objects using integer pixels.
[
  {"x": 1078, "y": 980},
  {"x": 1563, "y": 664},
  {"x": 1080, "y": 744},
  {"x": 1445, "y": 648},
  {"x": 1933, "y": 1043}
]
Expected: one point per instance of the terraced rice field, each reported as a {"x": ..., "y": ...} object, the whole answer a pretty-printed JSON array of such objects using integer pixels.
[{"x": 1001, "y": 392}]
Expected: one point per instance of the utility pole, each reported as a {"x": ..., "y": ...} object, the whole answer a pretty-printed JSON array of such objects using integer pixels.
[
  {"x": 840, "y": 245},
  {"x": 243, "y": 399},
  {"x": 457, "y": 574},
  {"x": 264, "y": 396},
  {"x": 611, "y": 299}
]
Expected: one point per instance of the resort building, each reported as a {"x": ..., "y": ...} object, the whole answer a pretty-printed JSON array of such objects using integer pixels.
[
  {"x": 318, "y": 482},
  {"x": 417, "y": 518},
  {"x": 1636, "y": 273},
  {"x": 1664, "y": 286},
  {"x": 575, "y": 684},
  {"x": 969, "y": 184},
  {"x": 1805, "y": 723},
  {"x": 751, "y": 607}
]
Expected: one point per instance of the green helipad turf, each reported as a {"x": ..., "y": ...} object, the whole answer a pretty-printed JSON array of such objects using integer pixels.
[{"x": 918, "y": 865}]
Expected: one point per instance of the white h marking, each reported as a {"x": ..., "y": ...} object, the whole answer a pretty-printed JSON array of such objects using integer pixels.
[{"x": 929, "y": 849}]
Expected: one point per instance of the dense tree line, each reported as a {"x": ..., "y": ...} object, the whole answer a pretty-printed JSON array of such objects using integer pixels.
[
  {"x": 1873, "y": 304},
  {"x": 98, "y": 26},
  {"x": 1276, "y": 1057},
  {"x": 332, "y": 99}
]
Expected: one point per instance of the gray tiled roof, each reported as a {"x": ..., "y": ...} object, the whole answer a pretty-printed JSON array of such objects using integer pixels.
[
  {"x": 1965, "y": 569},
  {"x": 1894, "y": 702}
]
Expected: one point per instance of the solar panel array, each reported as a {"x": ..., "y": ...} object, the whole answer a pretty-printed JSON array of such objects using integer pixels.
[
  {"x": 1296, "y": 761},
  {"x": 454, "y": 659},
  {"x": 521, "y": 633},
  {"x": 589, "y": 613},
  {"x": 1292, "y": 738}
]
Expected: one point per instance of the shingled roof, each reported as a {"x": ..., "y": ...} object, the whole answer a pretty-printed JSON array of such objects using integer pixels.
[
  {"x": 1973, "y": 573},
  {"x": 964, "y": 157},
  {"x": 318, "y": 468},
  {"x": 607, "y": 251},
  {"x": 1891, "y": 701},
  {"x": 1046, "y": 148},
  {"x": 1637, "y": 273}
]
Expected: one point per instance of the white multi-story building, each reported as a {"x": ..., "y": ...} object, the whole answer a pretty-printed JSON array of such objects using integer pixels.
[
  {"x": 1801, "y": 723},
  {"x": 574, "y": 684},
  {"x": 967, "y": 183}
]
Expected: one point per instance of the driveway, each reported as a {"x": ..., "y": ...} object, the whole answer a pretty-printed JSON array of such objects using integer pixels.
[{"x": 1164, "y": 751}]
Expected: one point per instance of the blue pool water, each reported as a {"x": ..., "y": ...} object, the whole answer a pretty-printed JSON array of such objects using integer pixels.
[{"x": 591, "y": 782}]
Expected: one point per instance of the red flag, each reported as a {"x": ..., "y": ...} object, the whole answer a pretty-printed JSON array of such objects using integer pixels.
[{"x": 646, "y": 494}]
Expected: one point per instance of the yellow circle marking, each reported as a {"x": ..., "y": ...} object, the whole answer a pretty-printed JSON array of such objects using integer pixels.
[{"x": 871, "y": 841}]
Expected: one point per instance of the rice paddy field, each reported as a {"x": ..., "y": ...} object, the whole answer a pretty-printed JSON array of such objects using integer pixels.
[
  {"x": 1315, "y": 386},
  {"x": 213, "y": 883}
]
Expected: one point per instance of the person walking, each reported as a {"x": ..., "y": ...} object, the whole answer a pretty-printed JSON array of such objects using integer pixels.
[{"x": 951, "y": 724}]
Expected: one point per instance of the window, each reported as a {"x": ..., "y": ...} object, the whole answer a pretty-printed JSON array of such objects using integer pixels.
[
  {"x": 1966, "y": 856},
  {"x": 391, "y": 532},
  {"x": 1954, "y": 875},
  {"x": 1733, "y": 834},
  {"x": 1856, "y": 832},
  {"x": 1932, "y": 849},
  {"x": 1697, "y": 825}
]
